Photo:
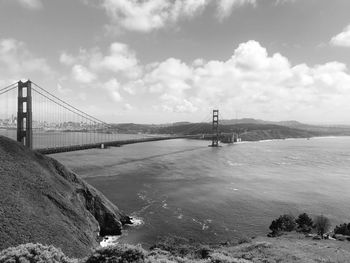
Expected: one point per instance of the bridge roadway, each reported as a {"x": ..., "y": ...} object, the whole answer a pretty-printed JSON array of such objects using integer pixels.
[{"x": 72, "y": 148}]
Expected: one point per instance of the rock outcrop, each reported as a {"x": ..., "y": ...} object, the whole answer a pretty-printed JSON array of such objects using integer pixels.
[{"x": 42, "y": 201}]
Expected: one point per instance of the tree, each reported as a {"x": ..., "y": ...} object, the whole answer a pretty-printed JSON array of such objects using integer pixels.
[
  {"x": 343, "y": 229},
  {"x": 322, "y": 225},
  {"x": 283, "y": 223},
  {"x": 304, "y": 222},
  {"x": 275, "y": 227},
  {"x": 288, "y": 223}
]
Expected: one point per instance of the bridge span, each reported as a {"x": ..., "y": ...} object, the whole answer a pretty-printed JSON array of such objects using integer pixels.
[
  {"x": 120, "y": 143},
  {"x": 64, "y": 128}
]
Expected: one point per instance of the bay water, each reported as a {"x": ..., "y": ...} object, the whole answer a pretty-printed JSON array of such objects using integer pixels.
[{"x": 185, "y": 188}]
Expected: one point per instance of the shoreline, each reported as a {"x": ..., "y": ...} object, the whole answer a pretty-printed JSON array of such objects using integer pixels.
[{"x": 295, "y": 138}]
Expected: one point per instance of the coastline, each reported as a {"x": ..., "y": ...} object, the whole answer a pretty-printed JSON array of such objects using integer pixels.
[{"x": 295, "y": 138}]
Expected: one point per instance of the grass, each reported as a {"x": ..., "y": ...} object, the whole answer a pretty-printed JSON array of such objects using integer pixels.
[
  {"x": 285, "y": 249},
  {"x": 43, "y": 202}
]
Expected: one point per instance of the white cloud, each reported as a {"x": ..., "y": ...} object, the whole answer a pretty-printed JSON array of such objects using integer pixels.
[
  {"x": 128, "y": 107},
  {"x": 82, "y": 74},
  {"x": 112, "y": 86},
  {"x": 176, "y": 104},
  {"x": 252, "y": 81},
  {"x": 171, "y": 75},
  {"x": 31, "y": 4},
  {"x": 225, "y": 7},
  {"x": 120, "y": 59},
  {"x": 63, "y": 90},
  {"x": 17, "y": 62},
  {"x": 138, "y": 16},
  {"x": 342, "y": 39},
  {"x": 67, "y": 59},
  {"x": 148, "y": 15}
]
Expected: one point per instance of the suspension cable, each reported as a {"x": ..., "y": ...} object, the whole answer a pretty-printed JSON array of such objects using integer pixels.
[
  {"x": 84, "y": 113},
  {"x": 3, "y": 92},
  {"x": 9, "y": 86},
  {"x": 64, "y": 106}
]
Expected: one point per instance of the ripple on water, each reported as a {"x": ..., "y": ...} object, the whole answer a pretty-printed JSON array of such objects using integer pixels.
[{"x": 234, "y": 164}]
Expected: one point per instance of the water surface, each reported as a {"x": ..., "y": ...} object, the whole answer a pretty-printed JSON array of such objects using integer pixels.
[{"x": 185, "y": 188}]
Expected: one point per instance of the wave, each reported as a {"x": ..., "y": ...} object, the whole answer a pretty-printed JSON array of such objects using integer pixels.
[
  {"x": 109, "y": 241},
  {"x": 136, "y": 221}
]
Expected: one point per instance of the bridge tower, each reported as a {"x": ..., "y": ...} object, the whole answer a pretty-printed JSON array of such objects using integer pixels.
[
  {"x": 215, "y": 138},
  {"x": 24, "y": 114}
]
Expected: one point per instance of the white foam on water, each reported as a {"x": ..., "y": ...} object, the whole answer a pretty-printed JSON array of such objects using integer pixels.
[
  {"x": 180, "y": 216},
  {"x": 109, "y": 241},
  {"x": 136, "y": 221},
  {"x": 203, "y": 224},
  {"x": 233, "y": 188},
  {"x": 234, "y": 164}
]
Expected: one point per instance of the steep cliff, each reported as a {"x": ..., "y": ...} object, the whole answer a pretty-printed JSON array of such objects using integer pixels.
[{"x": 42, "y": 201}]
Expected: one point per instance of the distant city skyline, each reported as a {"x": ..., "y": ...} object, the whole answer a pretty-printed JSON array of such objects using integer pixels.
[{"x": 158, "y": 61}]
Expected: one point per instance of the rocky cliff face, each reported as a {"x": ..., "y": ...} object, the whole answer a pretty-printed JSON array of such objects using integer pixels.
[{"x": 42, "y": 201}]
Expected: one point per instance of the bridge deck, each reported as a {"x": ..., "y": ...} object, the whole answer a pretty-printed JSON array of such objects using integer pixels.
[{"x": 72, "y": 148}]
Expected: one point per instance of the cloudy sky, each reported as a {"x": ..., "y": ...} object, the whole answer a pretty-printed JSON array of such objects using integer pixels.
[{"x": 154, "y": 61}]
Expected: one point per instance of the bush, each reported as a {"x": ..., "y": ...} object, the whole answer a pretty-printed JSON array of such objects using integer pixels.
[
  {"x": 283, "y": 223},
  {"x": 118, "y": 254},
  {"x": 322, "y": 225},
  {"x": 304, "y": 222},
  {"x": 343, "y": 229},
  {"x": 29, "y": 253},
  {"x": 179, "y": 246}
]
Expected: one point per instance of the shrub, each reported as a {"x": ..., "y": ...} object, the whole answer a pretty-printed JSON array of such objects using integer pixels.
[
  {"x": 322, "y": 225},
  {"x": 244, "y": 240},
  {"x": 179, "y": 246},
  {"x": 304, "y": 222},
  {"x": 343, "y": 229},
  {"x": 33, "y": 253},
  {"x": 118, "y": 254},
  {"x": 283, "y": 223}
]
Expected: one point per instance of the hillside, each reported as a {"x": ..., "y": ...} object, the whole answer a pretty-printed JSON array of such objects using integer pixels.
[
  {"x": 247, "y": 131},
  {"x": 321, "y": 130},
  {"x": 292, "y": 248},
  {"x": 252, "y": 129},
  {"x": 42, "y": 201}
]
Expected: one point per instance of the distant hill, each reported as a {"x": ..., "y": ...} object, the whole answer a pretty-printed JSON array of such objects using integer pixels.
[
  {"x": 321, "y": 130},
  {"x": 247, "y": 131},
  {"x": 42, "y": 201},
  {"x": 249, "y": 128}
]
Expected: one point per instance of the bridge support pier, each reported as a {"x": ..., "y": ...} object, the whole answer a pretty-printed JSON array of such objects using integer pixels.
[
  {"x": 24, "y": 114},
  {"x": 215, "y": 138}
]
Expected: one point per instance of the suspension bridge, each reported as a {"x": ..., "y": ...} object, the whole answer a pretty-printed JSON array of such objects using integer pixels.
[{"x": 43, "y": 122}]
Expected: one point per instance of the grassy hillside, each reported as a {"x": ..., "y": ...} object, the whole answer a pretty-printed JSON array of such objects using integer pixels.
[
  {"x": 287, "y": 249},
  {"x": 42, "y": 201}
]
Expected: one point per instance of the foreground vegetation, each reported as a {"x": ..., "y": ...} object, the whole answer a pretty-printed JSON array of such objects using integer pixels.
[
  {"x": 287, "y": 248},
  {"x": 319, "y": 226}
]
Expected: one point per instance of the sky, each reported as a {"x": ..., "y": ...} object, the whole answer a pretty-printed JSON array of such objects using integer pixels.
[{"x": 161, "y": 61}]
